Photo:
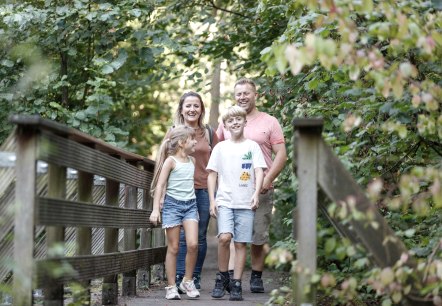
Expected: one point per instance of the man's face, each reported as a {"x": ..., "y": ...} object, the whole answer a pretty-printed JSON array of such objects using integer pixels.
[{"x": 245, "y": 97}]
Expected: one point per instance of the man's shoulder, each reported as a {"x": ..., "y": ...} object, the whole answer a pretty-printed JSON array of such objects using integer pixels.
[{"x": 267, "y": 116}]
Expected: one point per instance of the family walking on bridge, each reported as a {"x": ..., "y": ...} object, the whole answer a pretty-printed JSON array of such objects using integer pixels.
[{"x": 227, "y": 175}]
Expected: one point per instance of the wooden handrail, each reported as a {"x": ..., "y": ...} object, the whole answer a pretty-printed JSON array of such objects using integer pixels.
[
  {"x": 63, "y": 147},
  {"x": 317, "y": 165}
]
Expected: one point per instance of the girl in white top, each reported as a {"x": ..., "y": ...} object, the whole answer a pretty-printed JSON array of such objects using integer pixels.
[{"x": 173, "y": 183}]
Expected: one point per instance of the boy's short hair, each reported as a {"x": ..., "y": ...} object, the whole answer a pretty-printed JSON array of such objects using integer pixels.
[{"x": 234, "y": 111}]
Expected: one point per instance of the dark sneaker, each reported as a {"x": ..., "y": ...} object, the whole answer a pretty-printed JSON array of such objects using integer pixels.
[
  {"x": 178, "y": 280},
  {"x": 235, "y": 290},
  {"x": 256, "y": 285},
  {"x": 221, "y": 285},
  {"x": 197, "y": 281}
]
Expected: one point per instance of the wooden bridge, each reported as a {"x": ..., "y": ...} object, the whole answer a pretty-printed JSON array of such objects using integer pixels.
[{"x": 68, "y": 230}]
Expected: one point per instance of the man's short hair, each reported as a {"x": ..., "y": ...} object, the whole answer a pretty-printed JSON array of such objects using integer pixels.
[
  {"x": 243, "y": 81},
  {"x": 234, "y": 111}
]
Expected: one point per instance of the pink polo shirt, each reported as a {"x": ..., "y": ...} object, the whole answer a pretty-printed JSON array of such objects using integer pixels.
[{"x": 263, "y": 129}]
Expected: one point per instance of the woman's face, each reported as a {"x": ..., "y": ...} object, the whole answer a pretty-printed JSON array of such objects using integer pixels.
[{"x": 191, "y": 110}]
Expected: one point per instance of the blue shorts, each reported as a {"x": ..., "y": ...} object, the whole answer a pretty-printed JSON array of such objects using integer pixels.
[
  {"x": 176, "y": 211},
  {"x": 238, "y": 222}
]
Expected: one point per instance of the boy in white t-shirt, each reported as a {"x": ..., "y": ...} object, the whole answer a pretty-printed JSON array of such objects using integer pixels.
[{"x": 237, "y": 166}]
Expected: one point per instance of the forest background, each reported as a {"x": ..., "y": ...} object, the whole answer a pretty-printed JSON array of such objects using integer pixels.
[{"x": 371, "y": 69}]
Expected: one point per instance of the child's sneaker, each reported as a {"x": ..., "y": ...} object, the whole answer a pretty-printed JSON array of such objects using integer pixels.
[
  {"x": 221, "y": 285},
  {"x": 188, "y": 287},
  {"x": 172, "y": 293},
  {"x": 235, "y": 290}
]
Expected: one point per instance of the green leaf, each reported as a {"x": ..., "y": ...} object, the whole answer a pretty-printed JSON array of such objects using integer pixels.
[
  {"x": 7, "y": 63},
  {"x": 107, "y": 69},
  {"x": 330, "y": 245}
]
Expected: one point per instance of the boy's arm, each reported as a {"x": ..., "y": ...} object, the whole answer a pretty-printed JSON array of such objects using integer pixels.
[
  {"x": 211, "y": 186},
  {"x": 259, "y": 177},
  {"x": 160, "y": 189}
]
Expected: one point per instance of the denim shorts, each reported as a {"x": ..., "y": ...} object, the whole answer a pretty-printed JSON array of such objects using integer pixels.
[
  {"x": 238, "y": 222},
  {"x": 176, "y": 211}
]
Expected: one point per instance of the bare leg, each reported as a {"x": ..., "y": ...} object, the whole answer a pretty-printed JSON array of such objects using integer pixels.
[
  {"x": 173, "y": 238},
  {"x": 224, "y": 251},
  {"x": 232, "y": 256},
  {"x": 240, "y": 259},
  {"x": 258, "y": 254},
  {"x": 191, "y": 233}
]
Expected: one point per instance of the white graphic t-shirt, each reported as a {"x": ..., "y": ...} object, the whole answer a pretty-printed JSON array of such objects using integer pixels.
[{"x": 235, "y": 164}]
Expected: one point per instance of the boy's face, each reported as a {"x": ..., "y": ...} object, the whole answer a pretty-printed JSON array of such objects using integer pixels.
[{"x": 235, "y": 125}]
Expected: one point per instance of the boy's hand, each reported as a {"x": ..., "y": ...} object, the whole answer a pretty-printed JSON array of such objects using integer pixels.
[
  {"x": 155, "y": 217},
  {"x": 255, "y": 202},
  {"x": 213, "y": 211}
]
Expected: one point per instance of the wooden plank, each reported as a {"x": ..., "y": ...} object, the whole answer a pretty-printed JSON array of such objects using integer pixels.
[
  {"x": 381, "y": 242},
  {"x": 53, "y": 293},
  {"x": 68, "y": 153},
  {"x": 96, "y": 266},
  {"x": 109, "y": 290},
  {"x": 75, "y": 214},
  {"x": 145, "y": 242},
  {"x": 36, "y": 122},
  {"x": 307, "y": 157},
  {"x": 129, "y": 285},
  {"x": 85, "y": 185},
  {"x": 24, "y": 216}
]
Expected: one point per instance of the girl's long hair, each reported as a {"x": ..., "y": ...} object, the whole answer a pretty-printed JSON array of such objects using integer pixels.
[
  {"x": 179, "y": 119},
  {"x": 169, "y": 147}
]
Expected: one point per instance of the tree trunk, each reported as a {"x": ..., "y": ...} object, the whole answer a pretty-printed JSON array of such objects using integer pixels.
[{"x": 215, "y": 93}]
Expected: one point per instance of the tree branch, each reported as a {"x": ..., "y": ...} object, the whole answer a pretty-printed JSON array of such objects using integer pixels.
[{"x": 212, "y": 3}]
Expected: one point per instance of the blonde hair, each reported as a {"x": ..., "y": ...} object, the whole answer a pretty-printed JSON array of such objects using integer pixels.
[
  {"x": 170, "y": 146},
  {"x": 234, "y": 111},
  {"x": 244, "y": 81}
]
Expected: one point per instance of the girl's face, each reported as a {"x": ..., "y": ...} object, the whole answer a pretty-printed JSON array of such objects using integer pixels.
[
  {"x": 189, "y": 145},
  {"x": 191, "y": 110}
]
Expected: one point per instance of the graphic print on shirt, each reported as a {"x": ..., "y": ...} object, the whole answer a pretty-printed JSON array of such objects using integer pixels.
[{"x": 245, "y": 175}]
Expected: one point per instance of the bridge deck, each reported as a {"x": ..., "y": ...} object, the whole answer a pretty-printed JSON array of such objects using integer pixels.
[{"x": 155, "y": 296}]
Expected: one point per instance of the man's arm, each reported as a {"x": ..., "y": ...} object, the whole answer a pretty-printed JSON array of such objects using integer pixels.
[
  {"x": 220, "y": 132},
  {"x": 277, "y": 166}
]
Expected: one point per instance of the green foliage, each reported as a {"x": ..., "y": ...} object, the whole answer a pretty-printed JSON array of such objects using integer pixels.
[
  {"x": 372, "y": 71},
  {"x": 85, "y": 64}
]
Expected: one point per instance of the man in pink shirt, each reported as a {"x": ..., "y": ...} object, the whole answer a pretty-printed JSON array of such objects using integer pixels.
[{"x": 267, "y": 132}]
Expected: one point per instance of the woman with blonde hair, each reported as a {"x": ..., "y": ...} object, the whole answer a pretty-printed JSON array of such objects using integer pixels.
[{"x": 190, "y": 112}]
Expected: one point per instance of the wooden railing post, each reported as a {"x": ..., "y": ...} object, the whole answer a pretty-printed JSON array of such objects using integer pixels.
[
  {"x": 85, "y": 187},
  {"x": 110, "y": 283},
  {"x": 24, "y": 216},
  {"x": 54, "y": 292},
  {"x": 145, "y": 242},
  {"x": 308, "y": 133},
  {"x": 129, "y": 287}
]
